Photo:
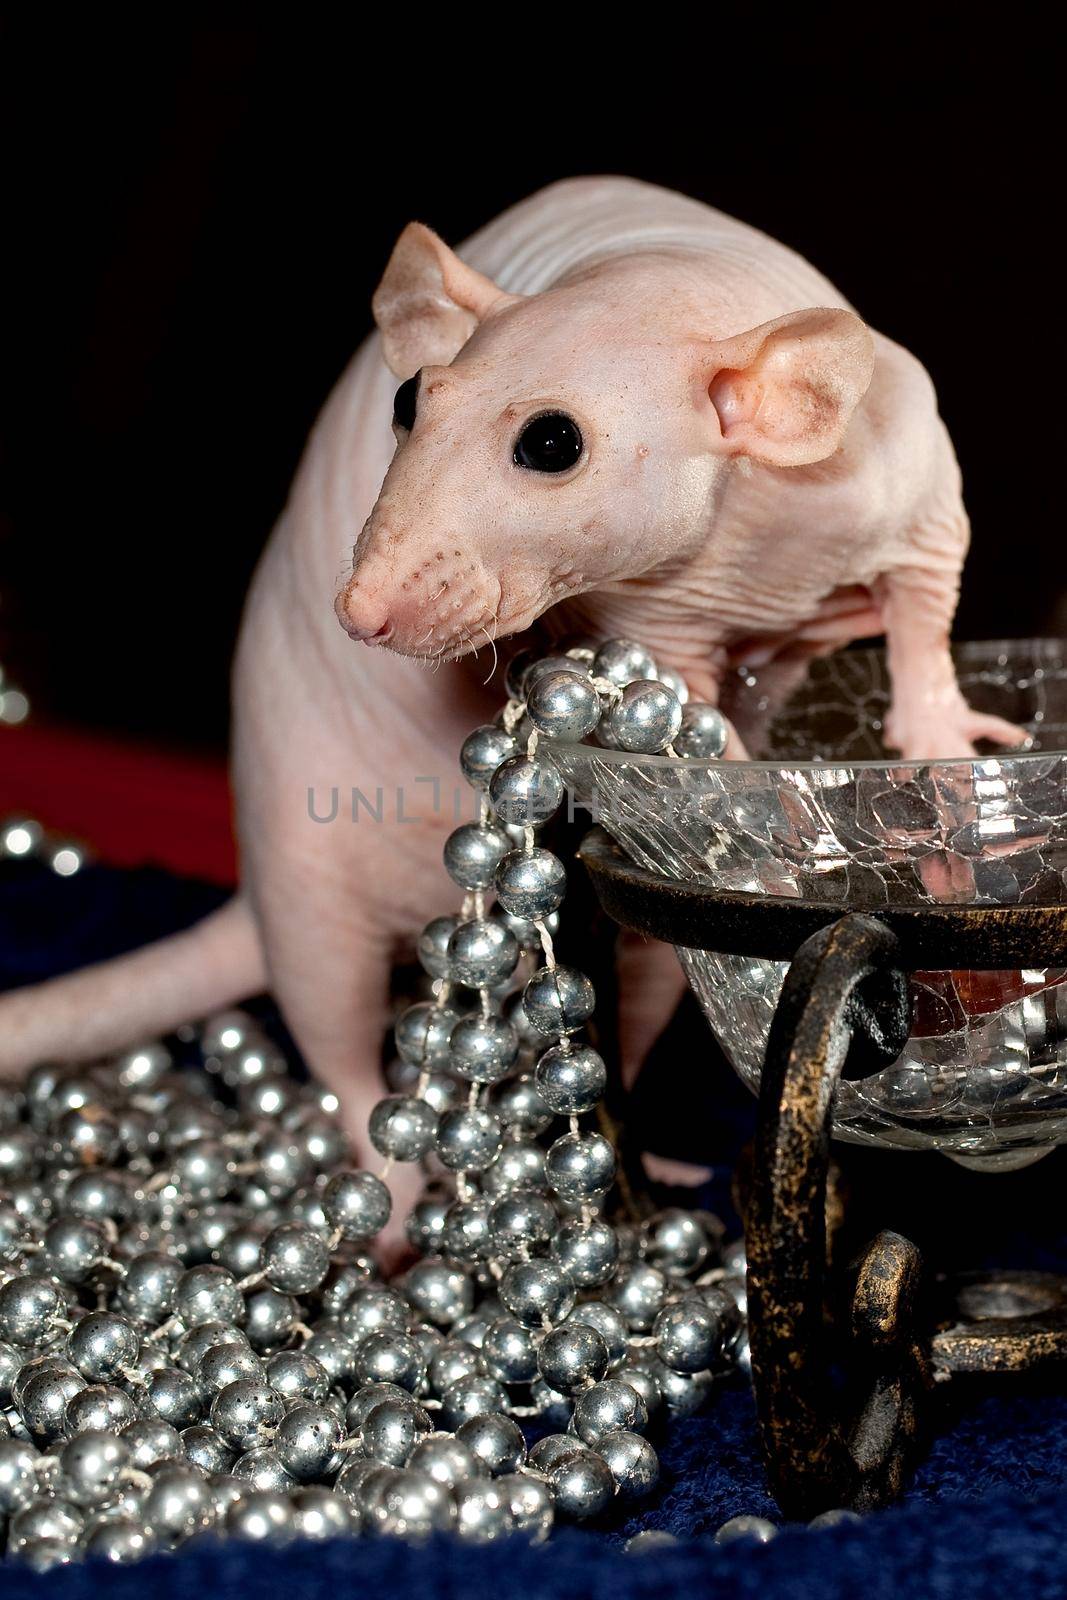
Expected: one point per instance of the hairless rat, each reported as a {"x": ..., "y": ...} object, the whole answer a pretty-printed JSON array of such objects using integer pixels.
[{"x": 618, "y": 407}]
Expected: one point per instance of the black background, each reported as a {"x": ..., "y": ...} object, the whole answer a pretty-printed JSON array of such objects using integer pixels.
[{"x": 197, "y": 216}]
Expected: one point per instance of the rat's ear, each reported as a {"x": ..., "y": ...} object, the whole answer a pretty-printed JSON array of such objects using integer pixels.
[
  {"x": 784, "y": 392},
  {"x": 428, "y": 303}
]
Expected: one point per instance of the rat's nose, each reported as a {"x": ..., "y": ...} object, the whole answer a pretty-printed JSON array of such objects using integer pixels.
[{"x": 361, "y": 620}]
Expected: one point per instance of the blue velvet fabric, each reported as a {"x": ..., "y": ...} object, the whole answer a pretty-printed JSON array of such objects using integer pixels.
[{"x": 986, "y": 1512}]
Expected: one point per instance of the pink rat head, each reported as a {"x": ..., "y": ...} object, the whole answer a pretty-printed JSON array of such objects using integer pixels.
[{"x": 577, "y": 439}]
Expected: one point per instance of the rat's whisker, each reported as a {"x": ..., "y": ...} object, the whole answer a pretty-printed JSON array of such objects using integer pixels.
[{"x": 491, "y": 642}]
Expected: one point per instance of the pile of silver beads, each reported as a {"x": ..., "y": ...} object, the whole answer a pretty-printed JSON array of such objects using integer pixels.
[{"x": 195, "y": 1339}]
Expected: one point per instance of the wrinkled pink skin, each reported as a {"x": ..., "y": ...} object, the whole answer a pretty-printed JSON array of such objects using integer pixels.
[{"x": 746, "y": 494}]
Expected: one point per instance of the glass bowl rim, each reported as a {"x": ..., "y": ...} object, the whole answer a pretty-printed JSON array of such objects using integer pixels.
[{"x": 961, "y": 653}]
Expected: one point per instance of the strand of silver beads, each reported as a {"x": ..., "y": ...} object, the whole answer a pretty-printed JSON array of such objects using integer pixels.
[{"x": 194, "y": 1338}]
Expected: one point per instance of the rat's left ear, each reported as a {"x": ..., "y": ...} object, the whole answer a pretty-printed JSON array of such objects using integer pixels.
[
  {"x": 784, "y": 392},
  {"x": 429, "y": 302}
]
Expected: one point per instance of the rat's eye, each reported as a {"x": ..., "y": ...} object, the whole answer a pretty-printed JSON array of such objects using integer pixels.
[
  {"x": 405, "y": 402},
  {"x": 550, "y": 443}
]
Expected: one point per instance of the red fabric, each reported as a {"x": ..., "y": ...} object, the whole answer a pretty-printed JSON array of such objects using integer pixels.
[{"x": 130, "y": 804}]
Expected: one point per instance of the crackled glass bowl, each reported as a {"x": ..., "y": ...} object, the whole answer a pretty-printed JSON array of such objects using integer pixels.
[{"x": 827, "y": 816}]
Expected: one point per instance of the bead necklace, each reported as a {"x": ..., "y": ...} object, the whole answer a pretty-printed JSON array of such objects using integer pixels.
[{"x": 194, "y": 1341}]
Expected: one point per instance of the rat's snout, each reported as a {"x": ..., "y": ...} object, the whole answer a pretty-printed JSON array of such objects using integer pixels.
[
  {"x": 422, "y": 597},
  {"x": 362, "y": 615}
]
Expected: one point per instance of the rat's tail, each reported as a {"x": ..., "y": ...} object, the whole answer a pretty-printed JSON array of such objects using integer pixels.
[{"x": 134, "y": 997}]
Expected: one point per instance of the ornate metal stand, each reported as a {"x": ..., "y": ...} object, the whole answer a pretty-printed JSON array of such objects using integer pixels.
[{"x": 845, "y": 1009}]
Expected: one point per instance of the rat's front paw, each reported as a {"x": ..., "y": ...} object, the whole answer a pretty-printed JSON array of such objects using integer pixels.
[{"x": 948, "y": 734}]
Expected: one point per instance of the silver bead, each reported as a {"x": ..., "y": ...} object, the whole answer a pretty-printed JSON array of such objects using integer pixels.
[
  {"x": 100, "y": 1406},
  {"x": 444, "y": 1458},
  {"x": 224, "y": 1364},
  {"x": 27, "y": 1308},
  {"x": 640, "y": 1294},
  {"x": 271, "y": 1318},
  {"x": 483, "y": 1511},
  {"x": 374, "y": 1309},
  {"x": 571, "y": 1357},
  {"x": 518, "y": 1104},
  {"x": 410, "y": 1505},
  {"x": 322, "y": 1514},
  {"x": 366, "y": 1398},
  {"x": 535, "y": 1290},
  {"x": 558, "y": 999},
  {"x": 483, "y": 1048},
  {"x": 307, "y": 1438},
  {"x": 483, "y": 751},
  {"x": 649, "y": 1541},
  {"x": 571, "y": 1079},
  {"x": 703, "y": 734},
  {"x": 203, "y": 1170},
  {"x": 18, "y": 1475},
  {"x": 55, "y": 1520},
  {"x": 226, "y": 1033},
  {"x": 675, "y": 682},
  {"x": 582, "y": 1485},
  {"x": 97, "y": 1195},
  {"x": 423, "y": 1032},
  {"x": 209, "y": 1294},
  {"x": 520, "y": 1165},
  {"x": 683, "y": 1392},
  {"x": 588, "y": 1252},
  {"x": 432, "y": 946},
  {"x": 645, "y": 719},
  {"x": 466, "y": 1230},
  {"x": 483, "y": 952},
  {"x": 173, "y": 1395},
  {"x": 262, "y": 1516},
  {"x": 151, "y": 1440},
  {"x": 607, "y": 1321},
  {"x": 837, "y": 1517},
  {"x": 263, "y": 1470},
  {"x": 148, "y": 1292},
  {"x": 73, "y": 1247},
  {"x": 642, "y": 1379},
  {"x": 43, "y": 1402},
  {"x": 678, "y": 1242},
  {"x": 531, "y": 1505},
  {"x": 391, "y": 1430},
  {"x": 467, "y": 1141},
  {"x": 509, "y": 1352},
  {"x": 119, "y": 1540},
  {"x": 41, "y": 1555},
  {"x": 756, "y": 1530},
  {"x": 496, "y": 1440},
  {"x": 622, "y": 661},
  {"x": 580, "y": 1166},
  {"x": 606, "y": 1407},
  {"x": 521, "y": 1223},
  {"x": 102, "y": 1344},
  {"x": 687, "y": 1335},
  {"x": 358, "y": 1203},
  {"x": 297, "y": 1376},
  {"x": 390, "y": 1358},
  {"x": 557, "y": 661},
  {"x": 471, "y": 1397},
  {"x": 454, "y": 1360},
  {"x": 294, "y": 1258},
  {"x": 178, "y": 1505},
  {"x": 244, "y": 1411},
  {"x": 439, "y": 1290},
  {"x": 633, "y": 1463},
  {"x": 563, "y": 704},
  {"x": 204, "y": 1449},
  {"x": 425, "y": 1224},
  {"x": 472, "y": 854},
  {"x": 206, "y": 1336},
  {"x": 526, "y": 790}
]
